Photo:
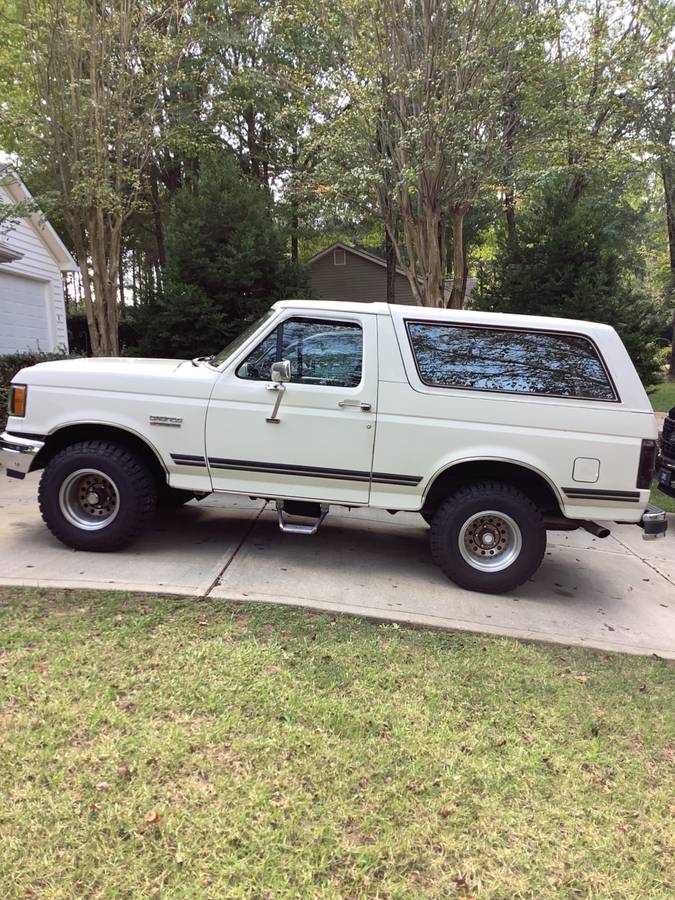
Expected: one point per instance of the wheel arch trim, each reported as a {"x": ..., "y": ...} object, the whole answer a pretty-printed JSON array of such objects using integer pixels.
[
  {"x": 449, "y": 465},
  {"x": 46, "y": 451}
]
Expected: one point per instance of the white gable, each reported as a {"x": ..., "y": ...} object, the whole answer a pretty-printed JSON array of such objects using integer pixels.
[{"x": 32, "y": 310}]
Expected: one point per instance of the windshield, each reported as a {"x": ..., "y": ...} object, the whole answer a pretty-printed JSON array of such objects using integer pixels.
[{"x": 234, "y": 345}]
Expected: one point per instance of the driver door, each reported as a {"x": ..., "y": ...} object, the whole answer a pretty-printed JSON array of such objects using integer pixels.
[{"x": 321, "y": 447}]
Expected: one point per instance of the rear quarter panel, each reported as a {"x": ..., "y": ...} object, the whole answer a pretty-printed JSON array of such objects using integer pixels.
[{"x": 422, "y": 430}]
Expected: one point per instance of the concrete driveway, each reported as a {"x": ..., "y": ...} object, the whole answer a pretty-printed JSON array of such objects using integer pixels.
[{"x": 614, "y": 594}]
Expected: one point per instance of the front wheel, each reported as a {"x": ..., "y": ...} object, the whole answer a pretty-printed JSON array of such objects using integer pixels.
[
  {"x": 96, "y": 495},
  {"x": 488, "y": 537}
]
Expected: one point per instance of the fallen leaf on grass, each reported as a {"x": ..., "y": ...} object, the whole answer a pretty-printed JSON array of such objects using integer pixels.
[
  {"x": 102, "y": 786},
  {"x": 582, "y": 679},
  {"x": 153, "y": 818},
  {"x": 123, "y": 771}
]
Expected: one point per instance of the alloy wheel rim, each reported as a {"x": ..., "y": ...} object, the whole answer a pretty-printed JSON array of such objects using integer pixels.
[
  {"x": 490, "y": 541},
  {"x": 89, "y": 499}
]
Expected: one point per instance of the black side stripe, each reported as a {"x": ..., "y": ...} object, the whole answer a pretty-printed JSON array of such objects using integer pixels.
[
  {"x": 315, "y": 471},
  {"x": 185, "y": 459},
  {"x": 601, "y": 494},
  {"x": 387, "y": 478}
]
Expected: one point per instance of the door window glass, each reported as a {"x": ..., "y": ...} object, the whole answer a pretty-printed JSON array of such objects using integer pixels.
[
  {"x": 320, "y": 352},
  {"x": 501, "y": 359}
]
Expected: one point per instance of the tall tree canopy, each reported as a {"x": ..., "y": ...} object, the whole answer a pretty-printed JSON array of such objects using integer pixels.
[{"x": 418, "y": 127}]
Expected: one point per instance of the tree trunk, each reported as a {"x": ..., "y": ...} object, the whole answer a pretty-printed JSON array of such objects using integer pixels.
[
  {"x": 104, "y": 241},
  {"x": 424, "y": 237},
  {"x": 120, "y": 273},
  {"x": 457, "y": 213},
  {"x": 390, "y": 255},
  {"x": 295, "y": 203},
  {"x": 512, "y": 122},
  {"x": 668, "y": 179},
  {"x": 510, "y": 213},
  {"x": 254, "y": 162},
  {"x": 77, "y": 232},
  {"x": 157, "y": 218},
  {"x": 295, "y": 225}
]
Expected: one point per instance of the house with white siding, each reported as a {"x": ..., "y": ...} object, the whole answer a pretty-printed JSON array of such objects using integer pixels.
[{"x": 33, "y": 261}]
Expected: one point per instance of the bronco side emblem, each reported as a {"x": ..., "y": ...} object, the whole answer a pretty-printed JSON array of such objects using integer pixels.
[{"x": 170, "y": 421}]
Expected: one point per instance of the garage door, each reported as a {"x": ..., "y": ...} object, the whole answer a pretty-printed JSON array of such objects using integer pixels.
[{"x": 23, "y": 314}]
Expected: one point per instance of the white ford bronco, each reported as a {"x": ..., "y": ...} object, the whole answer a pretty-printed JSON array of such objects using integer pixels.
[{"x": 494, "y": 428}]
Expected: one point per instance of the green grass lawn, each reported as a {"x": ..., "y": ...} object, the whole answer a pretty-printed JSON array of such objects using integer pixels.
[
  {"x": 153, "y": 746},
  {"x": 662, "y": 396},
  {"x": 664, "y": 501}
]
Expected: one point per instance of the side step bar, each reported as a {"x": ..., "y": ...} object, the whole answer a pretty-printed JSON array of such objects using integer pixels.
[{"x": 307, "y": 510}]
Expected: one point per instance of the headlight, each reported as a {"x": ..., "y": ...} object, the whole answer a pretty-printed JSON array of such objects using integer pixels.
[{"x": 17, "y": 399}]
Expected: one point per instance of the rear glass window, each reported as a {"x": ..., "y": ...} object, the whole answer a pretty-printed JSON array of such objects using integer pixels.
[{"x": 500, "y": 359}]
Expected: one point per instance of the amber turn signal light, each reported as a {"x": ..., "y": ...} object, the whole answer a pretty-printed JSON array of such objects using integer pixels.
[{"x": 17, "y": 399}]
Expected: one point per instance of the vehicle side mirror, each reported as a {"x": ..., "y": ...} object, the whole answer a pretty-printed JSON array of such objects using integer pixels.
[{"x": 281, "y": 371}]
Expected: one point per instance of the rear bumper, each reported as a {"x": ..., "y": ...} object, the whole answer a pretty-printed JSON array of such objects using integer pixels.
[
  {"x": 17, "y": 454},
  {"x": 654, "y": 523}
]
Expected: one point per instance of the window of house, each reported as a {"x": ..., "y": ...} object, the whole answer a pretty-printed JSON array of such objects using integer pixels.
[
  {"x": 503, "y": 359},
  {"x": 320, "y": 351},
  {"x": 339, "y": 257}
]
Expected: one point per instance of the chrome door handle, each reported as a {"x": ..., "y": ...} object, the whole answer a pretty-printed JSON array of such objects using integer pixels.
[{"x": 364, "y": 407}]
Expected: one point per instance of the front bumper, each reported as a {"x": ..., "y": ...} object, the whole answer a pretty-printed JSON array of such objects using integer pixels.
[{"x": 17, "y": 454}]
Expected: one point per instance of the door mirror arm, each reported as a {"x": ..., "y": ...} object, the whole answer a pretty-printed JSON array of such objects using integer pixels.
[{"x": 280, "y": 373}]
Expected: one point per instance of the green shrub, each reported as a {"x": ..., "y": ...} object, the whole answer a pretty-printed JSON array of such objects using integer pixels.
[
  {"x": 10, "y": 364},
  {"x": 226, "y": 264},
  {"x": 579, "y": 260}
]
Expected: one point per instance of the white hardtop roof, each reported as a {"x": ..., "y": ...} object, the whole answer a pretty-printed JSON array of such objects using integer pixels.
[
  {"x": 380, "y": 309},
  {"x": 458, "y": 316}
]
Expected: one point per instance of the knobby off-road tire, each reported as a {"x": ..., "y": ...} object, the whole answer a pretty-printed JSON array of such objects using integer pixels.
[
  {"x": 97, "y": 495},
  {"x": 488, "y": 536}
]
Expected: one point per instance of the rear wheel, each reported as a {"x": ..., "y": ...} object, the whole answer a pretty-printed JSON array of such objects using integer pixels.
[
  {"x": 488, "y": 537},
  {"x": 96, "y": 495}
]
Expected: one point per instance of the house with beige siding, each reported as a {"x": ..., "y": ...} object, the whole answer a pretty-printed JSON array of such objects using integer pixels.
[
  {"x": 33, "y": 261},
  {"x": 341, "y": 272}
]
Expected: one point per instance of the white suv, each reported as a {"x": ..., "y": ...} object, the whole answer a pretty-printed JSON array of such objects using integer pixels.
[{"x": 494, "y": 428}]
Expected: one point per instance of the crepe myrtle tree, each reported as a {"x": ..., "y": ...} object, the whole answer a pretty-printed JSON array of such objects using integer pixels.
[
  {"x": 91, "y": 117},
  {"x": 421, "y": 96}
]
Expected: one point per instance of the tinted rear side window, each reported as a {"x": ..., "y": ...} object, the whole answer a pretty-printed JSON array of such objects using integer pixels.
[{"x": 500, "y": 359}]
